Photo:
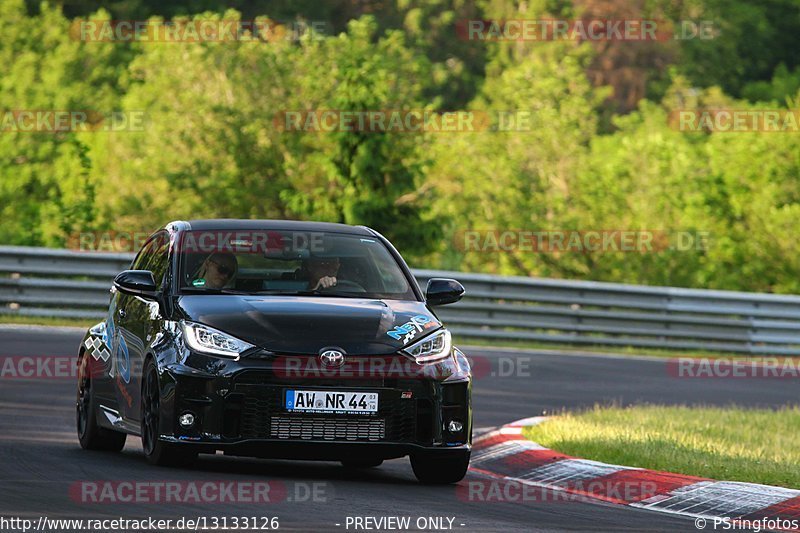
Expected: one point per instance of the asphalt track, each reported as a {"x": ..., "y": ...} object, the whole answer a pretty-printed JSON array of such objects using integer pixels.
[{"x": 41, "y": 458}]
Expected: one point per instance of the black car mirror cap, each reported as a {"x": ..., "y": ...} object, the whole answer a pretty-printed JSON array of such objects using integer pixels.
[
  {"x": 137, "y": 283},
  {"x": 441, "y": 291}
]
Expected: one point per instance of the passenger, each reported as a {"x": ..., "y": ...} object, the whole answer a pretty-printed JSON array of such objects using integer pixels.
[{"x": 217, "y": 271}]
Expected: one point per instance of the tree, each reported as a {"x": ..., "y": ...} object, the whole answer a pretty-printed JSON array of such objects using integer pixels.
[
  {"x": 521, "y": 180},
  {"x": 373, "y": 178},
  {"x": 46, "y": 191}
]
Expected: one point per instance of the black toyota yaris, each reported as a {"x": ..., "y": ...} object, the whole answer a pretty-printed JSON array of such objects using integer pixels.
[{"x": 277, "y": 339}]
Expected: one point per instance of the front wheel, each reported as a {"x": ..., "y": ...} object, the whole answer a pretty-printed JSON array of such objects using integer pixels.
[
  {"x": 440, "y": 468},
  {"x": 90, "y": 434},
  {"x": 157, "y": 451}
]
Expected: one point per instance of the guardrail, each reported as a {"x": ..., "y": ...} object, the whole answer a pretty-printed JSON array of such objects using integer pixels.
[{"x": 63, "y": 283}]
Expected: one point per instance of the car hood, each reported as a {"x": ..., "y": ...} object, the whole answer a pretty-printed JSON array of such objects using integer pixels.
[{"x": 305, "y": 325}]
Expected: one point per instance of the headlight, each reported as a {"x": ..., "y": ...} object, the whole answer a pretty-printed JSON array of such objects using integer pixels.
[
  {"x": 212, "y": 341},
  {"x": 435, "y": 346}
]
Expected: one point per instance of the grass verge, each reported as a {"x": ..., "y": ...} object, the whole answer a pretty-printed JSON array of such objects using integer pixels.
[
  {"x": 733, "y": 444},
  {"x": 47, "y": 321},
  {"x": 599, "y": 349}
]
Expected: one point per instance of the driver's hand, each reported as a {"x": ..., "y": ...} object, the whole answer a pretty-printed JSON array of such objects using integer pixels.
[{"x": 325, "y": 282}]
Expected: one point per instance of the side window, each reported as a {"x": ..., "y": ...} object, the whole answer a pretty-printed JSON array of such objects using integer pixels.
[
  {"x": 159, "y": 266},
  {"x": 144, "y": 255},
  {"x": 155, "y": 258}
]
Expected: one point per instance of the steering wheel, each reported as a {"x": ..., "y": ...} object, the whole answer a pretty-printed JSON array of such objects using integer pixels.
[{"x": 346, "y": 285}]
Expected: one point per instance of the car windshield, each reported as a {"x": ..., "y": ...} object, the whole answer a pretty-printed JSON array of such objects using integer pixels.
[{"x": 289, "y": 263}]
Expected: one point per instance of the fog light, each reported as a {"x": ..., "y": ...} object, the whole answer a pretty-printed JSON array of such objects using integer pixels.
[
  {"x": 186, "y": 420},
  {"x": 455, "y": 426}
]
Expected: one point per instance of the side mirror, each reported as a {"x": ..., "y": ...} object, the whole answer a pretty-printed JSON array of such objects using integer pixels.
[
  {"x": 136, "y": 283},
  {"x": 442, "y": 291}
]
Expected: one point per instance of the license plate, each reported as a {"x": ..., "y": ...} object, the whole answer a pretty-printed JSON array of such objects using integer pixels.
[{"x": 315, "y": 401}]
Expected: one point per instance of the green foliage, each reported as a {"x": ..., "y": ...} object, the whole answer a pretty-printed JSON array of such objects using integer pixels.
[
  {"x": 209, "y": 148},
  {"x": 215, "y": 142},
  {"x": 784, "y": 84},
  {"x": 45, "y": 189},
  {"x": 520, "y": 180},
  {"x": 214, "y": 146},
  {"x": 751, "y": 39},
  {"x": 372, "y": 178}
]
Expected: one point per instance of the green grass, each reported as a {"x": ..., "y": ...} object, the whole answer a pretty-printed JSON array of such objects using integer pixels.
[
  {"x": 615, "y": 350},
  {"x": 758, "y": 446},
  {"x": 47, "y": 321}
]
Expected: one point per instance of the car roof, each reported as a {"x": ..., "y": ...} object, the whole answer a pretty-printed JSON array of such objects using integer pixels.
[{"x": 258, "y": 224}]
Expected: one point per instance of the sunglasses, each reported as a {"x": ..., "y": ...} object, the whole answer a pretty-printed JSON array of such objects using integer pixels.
[{"x": 222, "y": 269}]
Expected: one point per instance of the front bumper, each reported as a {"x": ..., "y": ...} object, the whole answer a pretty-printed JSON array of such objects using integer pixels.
[
  {"x": 239, "y": 409},
  {"x": 318, "y": 450}
]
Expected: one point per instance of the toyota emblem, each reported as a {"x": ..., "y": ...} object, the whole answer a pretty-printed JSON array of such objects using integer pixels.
[{"x": 332, "y": 358}]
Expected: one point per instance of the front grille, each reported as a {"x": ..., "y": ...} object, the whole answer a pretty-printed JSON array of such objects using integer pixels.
[
  {"x": 321, "y": 428},
  {"x": 262, "y": 415}
]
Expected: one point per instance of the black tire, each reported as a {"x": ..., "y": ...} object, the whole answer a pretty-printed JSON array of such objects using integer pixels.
[
  {"x": 90, "y": 434},
  {"x": 156, "y": 451},
  {"x": 362, "y": 463},
  {"x": 440, "y": 468}
]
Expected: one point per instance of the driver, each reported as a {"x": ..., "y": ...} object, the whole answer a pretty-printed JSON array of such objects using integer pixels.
[
  {"x": 217, "y": 271},
  {"x": 322, "y": 272}
]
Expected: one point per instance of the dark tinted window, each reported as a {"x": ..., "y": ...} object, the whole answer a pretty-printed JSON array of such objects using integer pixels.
[
  {"x": 155, "y": 258},
  {"x": 290, "y": 263},
  {"x": 144, "y": 255}
]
